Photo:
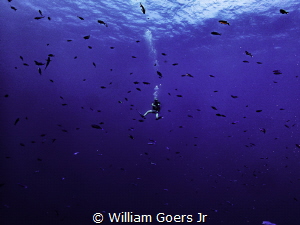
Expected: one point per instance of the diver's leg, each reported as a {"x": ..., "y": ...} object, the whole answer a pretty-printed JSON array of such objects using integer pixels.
[{"x": 149, "y": 111}]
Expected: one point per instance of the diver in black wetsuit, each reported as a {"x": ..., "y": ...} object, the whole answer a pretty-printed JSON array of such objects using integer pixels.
[{"x": 155, "y": 109}]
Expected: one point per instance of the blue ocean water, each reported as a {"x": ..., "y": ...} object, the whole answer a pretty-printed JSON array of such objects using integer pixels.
[{"x": 77, "y": 76}]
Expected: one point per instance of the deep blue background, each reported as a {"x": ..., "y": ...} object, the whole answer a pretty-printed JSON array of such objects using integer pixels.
[{"x": 201, "y": 162}]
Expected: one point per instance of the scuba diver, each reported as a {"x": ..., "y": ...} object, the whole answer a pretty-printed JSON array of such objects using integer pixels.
[{"x": 155, "y": 109}]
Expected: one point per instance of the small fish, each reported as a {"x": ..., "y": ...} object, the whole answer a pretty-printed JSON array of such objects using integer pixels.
[
  {"x": 96, "y": 126},
  {"x": 164, "y": 54},
  {"x": 9, "y": 0},
  {"x": 102, "y": 22},
  {"x": 40, "y": 12},
  {"x": 211, "y": 75},
  {"x": 49, "y": 18},
  {"x": 175, "y": 64},
  {"x": 112, "y": 47},
  {"x": 180, "y": 96},
  {"x": 131, "y": 137},
  {"x": 138, "y": 89},
  {"x": 17, "y": 120},
  {"x": 103, "y": 87},
  {"x": 21, "y": 58},
  {"x": 215, "y": 33},
  {"x": 159, "y": 74},
  {"x": 213, "y": 107},
  {"x": 223, "y": 22},
  {"x": 87, "y": 37},
  {"x": 259, "y": 62},
  {"x": 40, "y": 71},
  {"x": 298, "y": 145},
  {"x": 136, "y": 82},
  {"x": 282, "y": 11},
  {"x": 143, "y": 8},
  {"x": 64, "y": 104},
  {"x": 13, "y": 8},
  {"x": 51, "y": 55},
  {"x": 38, "y": 63},
  {"x": 80, "y": 17},
  {"x": 39, "y": 17},
  {"x": 258, "y": 110},
  {"x": 94, "y": 64},
  {"x": 246, "y": 61},
  {"x": 133, "y": 56},
  {"x": 147, "y": 83},
  {"x": 48, "y": 61},
  {"x": 248, "y": 53},
  {"x": 51, "y": 81},
  {"x": 234, "y": 96},
  {"x": 90, "y": 47},
  {"x": 69, "y": 40},
  {"x": 25, "y": 64}
]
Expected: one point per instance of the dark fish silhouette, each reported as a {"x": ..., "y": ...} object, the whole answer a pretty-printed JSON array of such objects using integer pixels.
[
  {"x": 40, "y": 12},
  {"x": 262, "y": 130},
  {"x": 49, "y": 18},
  {"x": 13, "y": 8},
  {"x": 223, "y": 22},
  {"x": 25, "y": 64},
  {"x": 215, "y": 33},
  {"x": 143, "y": 8},
  {"x": 277, "y": 72},
  {"x": 96, "y": 126},
  {"x": 297, "y": 145},
  {"x": 87, "y": 37},
  {"x": 48, "y": 62},
  {"x": 40, "y": 71},
  {"x": 102, "y": 22},
  {"x": 80, "y": 17},
  {"x": 39, "y": 63},
  {"x": 259, "y": 62},
  {"x": 131, "y": 137},
  {"x": 90, "y": 47},
  {"x": 164, "y": 54},
  {"x": 159, "y": 74},
  {"x": 69, "y": 40},
  {"x": 246, "y": 61},
  {"x": 138, "y": 89},
  {"x": 50, "y": 55},
  {"x": 103, "y": 87},
  {"x": 282, "y": 11},
  {"x": 39, "y": 17},
  {"x": 94, "y": 64},
  {"x": 213, "y": 107},
  {"x": 233, "y": 96},
  {"x": 258, "y": 110},
  {"x": 248, "y": 53},
  {"x": 211, "y": 75},
  {"x": 146, "y": 83},
  {"x": 21, "y": 58},
  {"x": 17, "y": 120},
  {"x": 175, "y": 64},
  {"x": 180, "y": 96},
  {"x": 136, "y": 82}
]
